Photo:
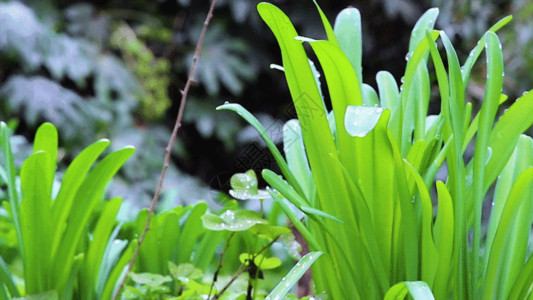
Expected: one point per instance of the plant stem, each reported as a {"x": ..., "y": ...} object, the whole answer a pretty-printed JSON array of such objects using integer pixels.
[
  {"x": 215, "y": 275},
  {"x": 168, "y": 149}
]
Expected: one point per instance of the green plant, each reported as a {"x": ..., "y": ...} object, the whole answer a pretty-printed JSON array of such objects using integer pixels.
[
  {"x": 362, "y": 173},
  {"x": 56, "y": 245}
]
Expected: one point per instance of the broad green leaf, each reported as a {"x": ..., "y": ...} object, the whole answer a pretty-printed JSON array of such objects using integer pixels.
[
  {"x": 152, "y": 280},
  {"x": 191, "y": 231},
  {"x": 71, "y": 182},
  {"x": 184, "y": 272},
  {"x": 36, "y": 223},
  {"x": 230, "y": 220},
  {"x": 268, "y": 231},
  {"x": 263, "y": 263},
  {"x": 88, "y": 195},
  {"x": 244, "y": 186},
  {"x": 286, "y": 284},
  {"x": 149, "y": 251},
  {"x": 360, "y": 120},
  {"x": 348, "y": 31},
  {"x": 419, "y": 290}
]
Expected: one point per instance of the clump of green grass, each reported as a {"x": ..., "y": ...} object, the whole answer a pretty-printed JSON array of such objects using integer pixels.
[{"x": 362, "y": 172}]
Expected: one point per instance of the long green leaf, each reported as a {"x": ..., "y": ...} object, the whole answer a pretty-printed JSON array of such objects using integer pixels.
[
  {"x": 246, "y": 115},
  {"x": 349, "y": 36},
  {"x": 88, "y": 195},
  {"x": 36, "y": 188},
  {"x": 293, "y": 276}
]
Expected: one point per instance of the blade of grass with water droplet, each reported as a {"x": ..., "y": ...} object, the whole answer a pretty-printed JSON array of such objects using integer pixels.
[
  {"x": 286, "y": 284},
  {"x": 246, "y": 115},
  {"x": 497, "y": 255}
]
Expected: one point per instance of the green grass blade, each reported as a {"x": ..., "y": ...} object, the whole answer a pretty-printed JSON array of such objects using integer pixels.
[
  {"x": 70, "y": 184},
  {"x": 293, "y": 276},
  {"x": 522, "y": 286},
  {"x": 293, "y": 147},
  {"x": 474, "y": 54},
  {"x": 443, "y": 233},
  {"x": 119, "y": 272},
  {"x": 389, "y": 94},
  {"x": 487, "y": 113},
  {"x": 342, "y": 90},
  {"x": 246, "y": 115},
  {"x": 6, "y": 280},
  {"x": 505, "y": 134},
  {"x": 424, "y": 23},
  {"x": 88, "y": 195},
  {"x": 296, "y": 221},
  {"x": 428, "y": 251},
  {"x": 496, "y": 260},
  {"x": 190, "y": 232},
  {"x": 95, "y": 252},
  {"x": 349, "y": 36},
  {"x": 36, "y": 188},
  {"x": 46, "y": 140},
  {"x": 418, "y": 290},
  {"x": 327, "y": 26},
  {"x": 11, "y": 174}
]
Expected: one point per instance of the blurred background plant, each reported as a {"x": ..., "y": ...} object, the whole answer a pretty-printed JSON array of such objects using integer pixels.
[{"x": 114, "y": 69}]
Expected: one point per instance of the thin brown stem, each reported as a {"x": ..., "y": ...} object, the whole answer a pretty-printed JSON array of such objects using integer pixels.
[{"x": 168, "y": 149}]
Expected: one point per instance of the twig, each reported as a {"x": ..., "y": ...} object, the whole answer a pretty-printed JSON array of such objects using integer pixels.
[
  {"x": 168, "y": 149},
  {"x": 219, "y": 267}
]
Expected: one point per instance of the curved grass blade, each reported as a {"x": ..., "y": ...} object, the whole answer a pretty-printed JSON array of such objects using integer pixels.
[
  {"x": 294, "y": 150},
  {"x": 295, "y": 220},
  {"x": 510, "y": 210},
  {"x": 474, "y": 53},
  {"x": 327, "y": 26},
  {"x": 293, "y": 276},
  {"x": 489, "y": 108},
  {"x": 246, "y": 115},
  {"x": 6, "y": 280},
  {"x": 36, "y": 225}
]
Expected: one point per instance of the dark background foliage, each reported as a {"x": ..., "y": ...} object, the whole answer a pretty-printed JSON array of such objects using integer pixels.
[{"x": 114, "y": 69}]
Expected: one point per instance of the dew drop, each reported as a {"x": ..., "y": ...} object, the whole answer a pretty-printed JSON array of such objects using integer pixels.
[{"x": 226, "y": 102}]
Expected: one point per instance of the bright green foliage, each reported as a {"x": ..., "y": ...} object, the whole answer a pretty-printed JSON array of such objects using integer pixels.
[
  {"x": 52, "y": 226},
  {"x": 151, "y": 72},
  {"x": 176, "y": 235},
  {"x": 362, "y": 173}
]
